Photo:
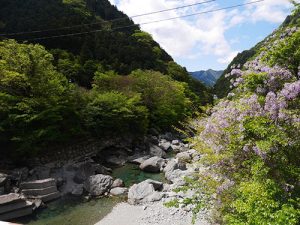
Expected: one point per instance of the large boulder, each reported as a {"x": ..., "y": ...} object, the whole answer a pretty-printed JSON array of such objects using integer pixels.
[
  {"x": 98, "y": 184},
  {"x": 154, "y": 197},
  {"x": 152, "y": 165},
  {"x": 173, "y": 175},
  {"x": 184, "y": 157},
  {"x": 118, "y": 191},
  {"x": 157, "y": 151},
  {"x": 118, "y": 183},
  {"x": 178, "y": 176},
  {"x": 139, "y": 160},
  {"x": 140, "y": 191},
  {"x": 175, "y": 142},
  {"x": 158, "y": 186},
  {"x": 174, "y": 165},
  {"x": 165, "y": 145}
]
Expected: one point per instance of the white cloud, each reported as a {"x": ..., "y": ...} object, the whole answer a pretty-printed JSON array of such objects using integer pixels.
[
  {"x": 268, "y": 10},
  {"x": 204, "y": 33},
  {"x": 228, "y": 58}
]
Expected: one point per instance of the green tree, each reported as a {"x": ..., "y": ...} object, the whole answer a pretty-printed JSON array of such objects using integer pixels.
[
  {"x": 37, "y": 106},
  {"x": 114, "y": 113}
]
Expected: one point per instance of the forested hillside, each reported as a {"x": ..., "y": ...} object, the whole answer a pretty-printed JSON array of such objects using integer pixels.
[
  {"x": 250, "y": 140},
  {"x": 114, "y": 81}
]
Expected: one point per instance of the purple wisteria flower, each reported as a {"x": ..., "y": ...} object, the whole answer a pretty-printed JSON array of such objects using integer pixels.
[{"x": 291, "y": 90}]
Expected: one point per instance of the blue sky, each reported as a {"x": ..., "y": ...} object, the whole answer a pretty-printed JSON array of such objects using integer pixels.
[{"x": 209, "y": 40}]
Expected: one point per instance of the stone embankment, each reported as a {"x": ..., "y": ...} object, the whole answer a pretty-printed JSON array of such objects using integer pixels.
[{"x": 14, "y": 206}]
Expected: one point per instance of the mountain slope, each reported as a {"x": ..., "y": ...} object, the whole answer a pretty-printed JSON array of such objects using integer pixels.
[
  {"x": 122, "y": 50},
  {"x": 107, "y": 81},
  {"x": 118, "y": 44},
  {"x": 208, "y": 77},
  {"x": 222, "y": 86},
  {"x": 250, "y": 139}
]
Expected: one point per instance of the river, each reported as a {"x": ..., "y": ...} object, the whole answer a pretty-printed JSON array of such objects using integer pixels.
[{"x": 78, "y": 211}]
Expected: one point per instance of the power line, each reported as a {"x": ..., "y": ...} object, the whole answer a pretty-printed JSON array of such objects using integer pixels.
[
  {"x": 147, "y": 23},
  {"x": 108, "y": 21}
]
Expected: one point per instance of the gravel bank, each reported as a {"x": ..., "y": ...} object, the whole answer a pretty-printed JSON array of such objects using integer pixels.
[{"x": 151, "y": 214}]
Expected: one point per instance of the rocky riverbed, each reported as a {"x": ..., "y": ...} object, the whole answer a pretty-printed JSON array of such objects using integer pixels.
[
  {"x": 150, "y": 214},
  {"x": 91, "y": 176}
]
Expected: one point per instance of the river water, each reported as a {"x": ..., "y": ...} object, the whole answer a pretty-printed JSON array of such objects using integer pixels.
[{"x": 77, "y": 211}]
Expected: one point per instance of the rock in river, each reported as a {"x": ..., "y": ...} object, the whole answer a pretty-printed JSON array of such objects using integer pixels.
[
  {"x": 98, "y": 184},
  {"x": 157, "y": 151},
  {"x": 118, "y": 191},
  {"x": 152, "y": 165},
  {"x": 140, "y": 191}
]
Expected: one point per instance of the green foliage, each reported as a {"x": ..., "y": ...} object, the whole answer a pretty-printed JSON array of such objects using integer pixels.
[
  {"x": 34, "y": 97},
  {"x": 222, "y": 87},
  {"x": 252, "y": 81},
  {"x": 74, "y": 90},
  {"x": 165, "y": 98},
  {"x": 112, "y": 112},
  {"x": 122, "y": 50},
  {"x": 287, "y": 54},
  {"x": 262, "y": 201}
]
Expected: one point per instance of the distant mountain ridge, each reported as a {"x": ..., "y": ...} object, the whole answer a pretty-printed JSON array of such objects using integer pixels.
[{"x": 208, "y": 77}]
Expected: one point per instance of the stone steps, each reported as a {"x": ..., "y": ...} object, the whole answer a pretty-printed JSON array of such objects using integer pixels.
[
  {"x": 38, "y": 184},
  {"x": 48, "y": 197},
  {"x": 37, "y": 192},
  {"x": 45, "y": 190},
  {"x": 13, "y": 206},
  {"x": 25, "y": 211}
]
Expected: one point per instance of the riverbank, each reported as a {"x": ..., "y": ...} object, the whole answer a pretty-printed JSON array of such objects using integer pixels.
[
  {"x": 150, "y": 214},
  {"x": 149, "y": 173}
]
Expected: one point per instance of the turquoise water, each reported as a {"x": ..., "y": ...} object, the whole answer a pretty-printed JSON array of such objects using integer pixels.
[
  {"x": 77, "y": 211},
  {"x": 131, "y": 174},
  {"x": 72, "y": 211}
]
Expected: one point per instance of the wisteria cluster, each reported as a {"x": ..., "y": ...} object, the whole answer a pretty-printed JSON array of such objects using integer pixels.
[
  {"x": 270, "y": 99},
  {"x": 251, "y": 139}
]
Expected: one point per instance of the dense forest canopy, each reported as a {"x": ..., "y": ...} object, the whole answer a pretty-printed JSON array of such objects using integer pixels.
[{"x": 111, "y": 82}]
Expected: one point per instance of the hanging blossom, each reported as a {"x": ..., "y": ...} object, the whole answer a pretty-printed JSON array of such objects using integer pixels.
[
  {"x": 277, "y": 76},
  {"x": 274, "y": 105},
  {"x": 229, "y": 114},
  {"x": 291, "y": 90},
  {"x": 259, "y": 152}
]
